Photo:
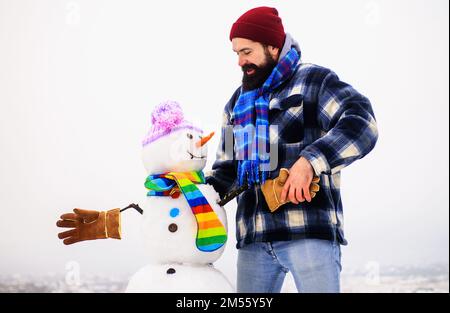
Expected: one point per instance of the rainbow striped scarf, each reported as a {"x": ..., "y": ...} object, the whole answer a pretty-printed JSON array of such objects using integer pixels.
[{"x": 211, "y": 234}]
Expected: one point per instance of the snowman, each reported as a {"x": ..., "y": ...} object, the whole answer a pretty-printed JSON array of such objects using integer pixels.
[{"x": 183, "y": 226}]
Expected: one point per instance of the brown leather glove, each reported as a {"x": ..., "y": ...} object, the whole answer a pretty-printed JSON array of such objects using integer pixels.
[
  {"x": 272, "y": 189},
  {"x": 89, "y": 225}
]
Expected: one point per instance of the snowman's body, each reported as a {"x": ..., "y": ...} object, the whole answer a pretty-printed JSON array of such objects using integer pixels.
[
  {"x": 169, "y": 226},
  {"x": 169, "y": 229},
  {"x": 186, "y": 279}
]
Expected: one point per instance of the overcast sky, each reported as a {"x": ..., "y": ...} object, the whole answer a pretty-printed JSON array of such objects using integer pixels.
[{"x": 78, "y": 81}]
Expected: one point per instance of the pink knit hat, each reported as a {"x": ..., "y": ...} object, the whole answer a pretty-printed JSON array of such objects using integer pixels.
[{"x": 166, "y": 118}]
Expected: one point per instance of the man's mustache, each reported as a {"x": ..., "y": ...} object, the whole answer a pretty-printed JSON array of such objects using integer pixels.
[{"x": 247, "y": 67}]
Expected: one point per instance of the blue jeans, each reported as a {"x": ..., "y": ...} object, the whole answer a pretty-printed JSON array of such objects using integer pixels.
[{"x": 315, "y": 265}]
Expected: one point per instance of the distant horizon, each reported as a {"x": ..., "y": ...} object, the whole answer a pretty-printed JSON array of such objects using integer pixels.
[{"x": 397, "y": 281}]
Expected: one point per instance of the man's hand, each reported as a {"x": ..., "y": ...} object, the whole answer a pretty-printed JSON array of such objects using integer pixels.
[{"x": 297, "y": 186}]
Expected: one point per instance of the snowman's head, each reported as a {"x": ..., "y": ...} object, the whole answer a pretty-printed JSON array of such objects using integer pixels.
[{"x": 173, "y": 144}]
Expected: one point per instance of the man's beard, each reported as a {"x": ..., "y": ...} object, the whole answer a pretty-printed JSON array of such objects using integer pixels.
[{"x": 260, "y": 75}]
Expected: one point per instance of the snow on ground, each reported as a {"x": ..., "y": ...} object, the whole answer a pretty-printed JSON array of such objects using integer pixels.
[{"x": 433, "y": 278}]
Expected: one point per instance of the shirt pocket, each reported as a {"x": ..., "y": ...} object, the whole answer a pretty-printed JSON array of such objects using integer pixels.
[{"x": 287, "y": 116}]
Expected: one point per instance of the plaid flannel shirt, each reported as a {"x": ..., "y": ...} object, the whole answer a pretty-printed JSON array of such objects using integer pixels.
[{"x": 320, "y": 118}]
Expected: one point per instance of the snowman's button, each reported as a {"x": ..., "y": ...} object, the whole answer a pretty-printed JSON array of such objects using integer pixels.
[
  {"x": 171, "y": 271},
  {"x": 174, "y": 212},
  {"x": 173, "y": 228}
]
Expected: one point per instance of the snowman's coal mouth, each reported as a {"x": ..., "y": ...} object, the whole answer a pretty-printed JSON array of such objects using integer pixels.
[{"x": 194, "y": 156}]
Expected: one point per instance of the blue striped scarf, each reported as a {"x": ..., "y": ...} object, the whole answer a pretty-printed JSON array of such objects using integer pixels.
[{"x": 251, "y": 113}]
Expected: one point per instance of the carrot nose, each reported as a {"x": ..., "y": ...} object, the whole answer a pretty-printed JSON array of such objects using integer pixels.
[{"x": 204, "y": 140}]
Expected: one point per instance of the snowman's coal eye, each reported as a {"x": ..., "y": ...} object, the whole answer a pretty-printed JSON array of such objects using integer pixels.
[{"x": 190, "y": 136}]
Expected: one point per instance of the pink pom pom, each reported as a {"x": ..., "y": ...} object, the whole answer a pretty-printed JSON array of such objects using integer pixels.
[{"x": 167, "y": 115}]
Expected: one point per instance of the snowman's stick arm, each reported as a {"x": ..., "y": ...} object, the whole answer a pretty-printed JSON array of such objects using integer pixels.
[
  {"x": 232, "y": 194},
  {"x": 134, "y": 206}
]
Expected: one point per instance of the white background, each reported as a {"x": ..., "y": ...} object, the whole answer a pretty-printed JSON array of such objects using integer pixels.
[{"x": 78, "y": 80}]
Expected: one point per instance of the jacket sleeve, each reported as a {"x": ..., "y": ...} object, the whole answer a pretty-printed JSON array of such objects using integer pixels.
[
  {"x": 348, "y": 124},
  {"x": 224, "y": 170}
]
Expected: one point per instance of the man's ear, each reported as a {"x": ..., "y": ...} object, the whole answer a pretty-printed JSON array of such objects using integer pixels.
[{"x": 274, "y": 52}]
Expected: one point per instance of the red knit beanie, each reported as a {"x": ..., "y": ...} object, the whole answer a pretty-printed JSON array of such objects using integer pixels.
[{"x": 262, "y": 25}]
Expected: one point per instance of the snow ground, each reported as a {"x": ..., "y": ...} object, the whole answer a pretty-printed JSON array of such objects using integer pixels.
[{"x": 433, "y": 279}]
